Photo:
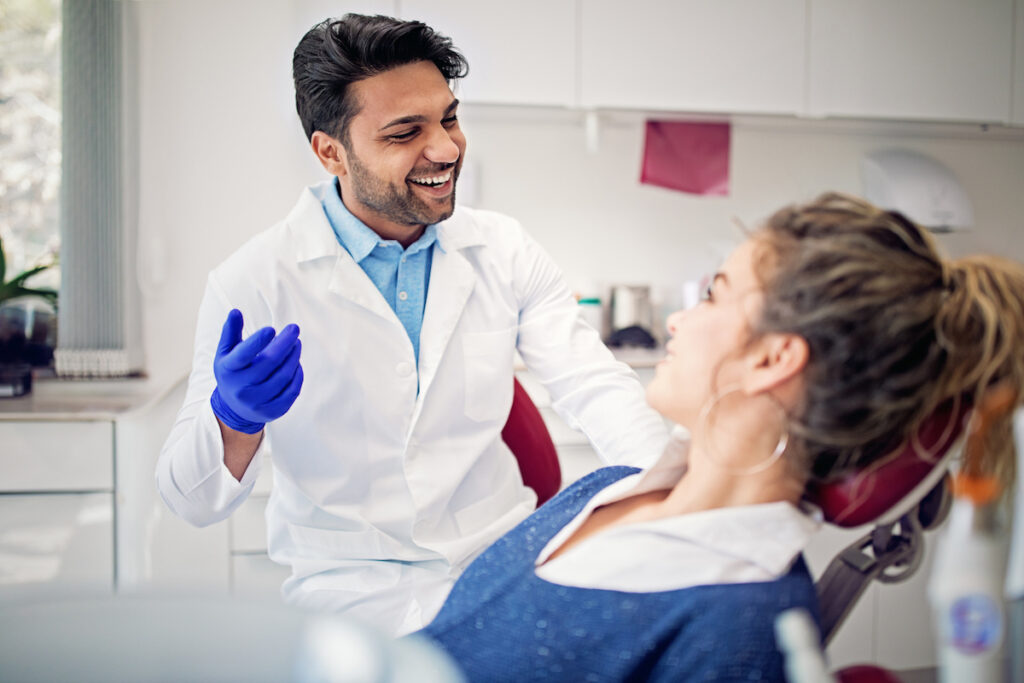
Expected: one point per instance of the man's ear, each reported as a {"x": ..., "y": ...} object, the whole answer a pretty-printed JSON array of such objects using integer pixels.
[
  {"x": 330, "y": 152},
  {"x": 775, "y": 359}
]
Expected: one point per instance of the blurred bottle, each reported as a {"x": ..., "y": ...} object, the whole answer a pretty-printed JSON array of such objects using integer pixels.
[
  {"x": 966, "y": 587},
  {"x": 967, "y": 584},
  {"x": 1015, "y": 567}
]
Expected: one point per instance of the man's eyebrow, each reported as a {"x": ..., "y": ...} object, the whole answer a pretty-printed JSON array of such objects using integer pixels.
[
  {"x": 417, "y": 118},
  {"x": 720, "y": 276},
  {"x": 404, "y": 119}
]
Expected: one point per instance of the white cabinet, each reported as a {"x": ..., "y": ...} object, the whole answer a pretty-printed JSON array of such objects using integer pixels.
[
  {"x": 520, "y": 52},
  {"x": 56, "y": 505},
  {"x": 60, "y": 540},
  {"x": 693, "y": 55},
  {"x": 913, "y": 59},
  {"x": 56, "y": 456},
  {"x": 938, "y": 60}
]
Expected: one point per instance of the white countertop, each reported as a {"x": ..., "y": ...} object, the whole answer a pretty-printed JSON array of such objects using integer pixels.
[{"x": 52, "y": 398}]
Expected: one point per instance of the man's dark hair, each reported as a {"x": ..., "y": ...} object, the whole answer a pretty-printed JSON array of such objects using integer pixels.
[{"x": 338, "y": 52}]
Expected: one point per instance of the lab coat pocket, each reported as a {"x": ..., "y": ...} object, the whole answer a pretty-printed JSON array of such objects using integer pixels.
[{"x": 488, "y": 360}]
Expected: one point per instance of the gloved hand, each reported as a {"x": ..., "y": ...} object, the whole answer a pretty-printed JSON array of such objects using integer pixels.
[{"x": 257, "y": 379}]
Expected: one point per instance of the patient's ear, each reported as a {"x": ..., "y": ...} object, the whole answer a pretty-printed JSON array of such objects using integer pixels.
[{"x": 775, "y": 360}]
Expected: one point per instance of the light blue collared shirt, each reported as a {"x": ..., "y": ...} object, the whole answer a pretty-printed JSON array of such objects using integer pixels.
[{"x": 401, "y": 275}]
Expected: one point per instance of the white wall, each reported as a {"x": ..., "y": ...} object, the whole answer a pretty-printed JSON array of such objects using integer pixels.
[{"x": 223, "y": 156}]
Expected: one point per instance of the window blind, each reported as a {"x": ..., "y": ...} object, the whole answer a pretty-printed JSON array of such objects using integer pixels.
[{"x": 98, "y": 324}]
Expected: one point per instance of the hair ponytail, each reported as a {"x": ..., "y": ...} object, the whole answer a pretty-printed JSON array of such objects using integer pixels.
[{"x": 980, "y": 324}]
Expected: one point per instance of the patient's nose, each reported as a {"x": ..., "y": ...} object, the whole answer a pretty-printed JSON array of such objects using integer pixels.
[{"x": 672, "y": 322}]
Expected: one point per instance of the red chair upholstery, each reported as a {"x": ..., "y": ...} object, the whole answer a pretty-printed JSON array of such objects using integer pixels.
[
  {"x": 890, "y": 487},
  {"x": 527, "y": 437},
  {"x": 866, "y": 673}
]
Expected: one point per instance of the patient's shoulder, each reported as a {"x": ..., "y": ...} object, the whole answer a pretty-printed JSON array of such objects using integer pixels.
[{"x": 588, "y": 486}]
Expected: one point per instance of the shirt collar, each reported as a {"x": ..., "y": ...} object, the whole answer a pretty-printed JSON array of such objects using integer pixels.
[
  {"x": 355, "y": 236},
  {"x": 769, "y": 535}
]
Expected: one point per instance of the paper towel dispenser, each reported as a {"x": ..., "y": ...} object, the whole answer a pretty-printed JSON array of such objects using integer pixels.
[{"x": 917, "y": 186}]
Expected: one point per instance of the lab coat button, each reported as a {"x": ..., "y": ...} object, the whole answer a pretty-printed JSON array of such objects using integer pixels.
[{"x": 403, "y": 369}]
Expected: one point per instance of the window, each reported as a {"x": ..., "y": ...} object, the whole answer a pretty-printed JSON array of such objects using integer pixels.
[
  {"x": 67, "y": 109},
  {"x": 30, "y": 135}
]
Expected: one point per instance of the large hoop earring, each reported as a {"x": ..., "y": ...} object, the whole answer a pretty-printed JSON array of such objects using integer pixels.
[{"x": 703, "y": 420}]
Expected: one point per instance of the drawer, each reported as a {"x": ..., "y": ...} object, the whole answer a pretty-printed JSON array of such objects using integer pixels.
[
  {"x": 249, "y": 526},
  {"x": 56, "y": 456},
  {"x": 61, "y": 540}
]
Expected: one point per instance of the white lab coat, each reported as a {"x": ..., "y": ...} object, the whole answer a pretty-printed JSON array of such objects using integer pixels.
[{"x": 383, "y": 493}]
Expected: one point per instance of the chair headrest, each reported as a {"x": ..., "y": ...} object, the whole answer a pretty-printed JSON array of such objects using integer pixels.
[{"x": 888, "y": 488}]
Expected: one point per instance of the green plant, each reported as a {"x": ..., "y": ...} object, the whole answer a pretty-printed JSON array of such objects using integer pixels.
[{"x": 15, "y": 287}]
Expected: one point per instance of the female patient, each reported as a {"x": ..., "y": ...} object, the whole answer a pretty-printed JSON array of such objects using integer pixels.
[{"x": 822, "y": 343}]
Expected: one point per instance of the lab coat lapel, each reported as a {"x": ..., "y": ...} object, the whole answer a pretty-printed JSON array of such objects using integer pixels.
[
  {"x": 452, "y": 278},
  {"x": 314, "y": 240},
  {"x": 351, "y": 282}
]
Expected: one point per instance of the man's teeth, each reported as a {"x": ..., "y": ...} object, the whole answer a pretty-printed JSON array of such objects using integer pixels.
[{"x": 433, "y": 181}]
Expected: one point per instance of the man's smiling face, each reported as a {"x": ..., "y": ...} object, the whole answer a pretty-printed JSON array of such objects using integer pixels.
[{"x": 403, "y": 151}]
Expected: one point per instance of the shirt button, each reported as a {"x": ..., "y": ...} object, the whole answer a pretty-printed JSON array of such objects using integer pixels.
[
  {"x": 403, "y": 296},
  {"x": 403, "y": 369}
]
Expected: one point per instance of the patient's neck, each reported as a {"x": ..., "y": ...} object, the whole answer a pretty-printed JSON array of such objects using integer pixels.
[{"x": 707, "y": 486}]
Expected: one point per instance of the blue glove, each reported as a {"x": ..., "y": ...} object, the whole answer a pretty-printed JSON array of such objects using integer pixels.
[{"x": 257, "y": 379}]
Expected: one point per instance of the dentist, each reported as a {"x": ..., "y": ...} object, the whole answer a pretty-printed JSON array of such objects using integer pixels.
[{"x": 384, "y": 421}]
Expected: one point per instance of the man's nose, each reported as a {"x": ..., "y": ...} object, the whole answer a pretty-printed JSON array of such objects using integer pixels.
[{"x": 441, "y": 147}]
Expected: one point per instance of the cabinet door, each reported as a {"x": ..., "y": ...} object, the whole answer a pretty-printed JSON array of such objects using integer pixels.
[
  {"x": 913, "y": 59},
  {"x": 693, "y": 55},
  {"x": 56, "y": 456},
  {"x": 520, "y": 52},
  {"x": 61, "y": 539}
]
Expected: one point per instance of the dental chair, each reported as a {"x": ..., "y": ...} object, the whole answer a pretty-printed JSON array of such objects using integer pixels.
[{"x": 901, "y": 496}]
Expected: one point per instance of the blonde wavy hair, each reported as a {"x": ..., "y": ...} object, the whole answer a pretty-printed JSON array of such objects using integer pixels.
[{"x": 893, "y": 329}]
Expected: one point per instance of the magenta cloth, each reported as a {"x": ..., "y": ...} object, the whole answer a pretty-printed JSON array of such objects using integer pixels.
[{"x": 690, "y": 157}]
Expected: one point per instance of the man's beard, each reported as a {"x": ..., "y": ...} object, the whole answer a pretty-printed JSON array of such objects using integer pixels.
[{"x": 399, "y": 204}]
